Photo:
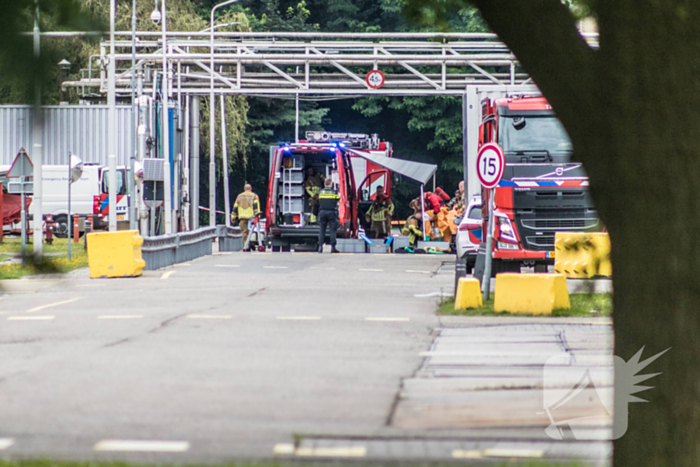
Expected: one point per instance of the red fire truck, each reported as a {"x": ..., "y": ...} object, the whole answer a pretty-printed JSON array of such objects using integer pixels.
[
  {"x": 288, "y": 210},
  {"x": 542, "y": 190}
]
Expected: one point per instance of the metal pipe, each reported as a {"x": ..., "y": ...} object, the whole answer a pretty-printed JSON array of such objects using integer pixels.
[
  {"x": 486, "y": 283},
  {"x": 225, "y": 169},
  {"x": 133, "y": 210},
  {"x": 194, "y": 162},
  {"x": 212, "y": 119},
  {"x": 165, "y": 132},
  {"x": 37, "y": 136},
  {"x": 422, "y": 208},
  {"x": 112, "y": 119},
  {"x": 142, "y": 129}
]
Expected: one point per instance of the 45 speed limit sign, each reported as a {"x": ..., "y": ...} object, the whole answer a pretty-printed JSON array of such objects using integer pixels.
[
  {"x": 375, "y": 79},
  {"x": 490, "y": 164}
]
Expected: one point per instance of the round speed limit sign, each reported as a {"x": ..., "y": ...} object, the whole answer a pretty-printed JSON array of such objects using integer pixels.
[
  {"x": 490, "y": 164},
  {"x": 375, "y": 79}
]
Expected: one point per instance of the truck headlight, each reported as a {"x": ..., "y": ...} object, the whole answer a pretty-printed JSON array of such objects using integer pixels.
[{"x": 507, "y": 232}]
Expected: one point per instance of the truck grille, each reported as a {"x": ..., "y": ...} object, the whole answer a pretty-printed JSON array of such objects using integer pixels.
[
  {"x": 559, "y": 224},
  {"x": 539, "y": 213},
  {"x": 542, "y": 242}
]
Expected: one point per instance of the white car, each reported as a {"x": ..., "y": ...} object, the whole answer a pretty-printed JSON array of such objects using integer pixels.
[{"x": 469, "y": 233}]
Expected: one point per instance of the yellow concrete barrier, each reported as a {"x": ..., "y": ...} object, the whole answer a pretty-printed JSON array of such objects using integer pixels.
[
  {"x": 115, "y": 254},
  {"x": 468, "y": 294},
  {"x": 582, "y": 255},
  {"x": 537, "y": 294}
]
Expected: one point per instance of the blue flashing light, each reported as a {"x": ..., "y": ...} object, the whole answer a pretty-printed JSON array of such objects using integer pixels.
[{"x": 342, "y": 145}]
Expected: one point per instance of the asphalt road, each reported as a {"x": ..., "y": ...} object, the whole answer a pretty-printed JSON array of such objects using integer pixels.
[
  {"x": 222, "y": 358},
  {"x": 283, "y": 356}
]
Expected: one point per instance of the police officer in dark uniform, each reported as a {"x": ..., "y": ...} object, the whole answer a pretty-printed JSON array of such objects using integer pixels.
[{"x": 328, "y": 214}]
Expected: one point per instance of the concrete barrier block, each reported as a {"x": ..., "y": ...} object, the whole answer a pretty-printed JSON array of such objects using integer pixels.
[
  {"x": 582, "y": 255},
  {"x": 468, "y": 294},
  {"x": 537, "y": 294},
  {"x": 115, "y": 254}
]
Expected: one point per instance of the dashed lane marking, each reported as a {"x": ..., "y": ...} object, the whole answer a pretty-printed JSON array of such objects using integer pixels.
[
  {"x": 512, "y": 453},
  {"x": 432, "y": 294},
  {"x": 30, "y": 318},
  {"x": 300, "y": 318},
  {"x": 227, "y": 266},
  {"x": 182, "y": 264},
  {"x": 168, "y": 274},
  {"x": 418, "y": 272},
  {"x": 120, "y": 317},
  {"x": 372, "y": 270},
  {"x": 387, "y": 319},
  {"x": 6, "y": 443},
  {"x": 340, "y": 451},
  {"x": 51, "y": 305},
  {"x": 141, "y": 446},
  {"x": 302, "y": 253},
  {"x": 275, "y": 267},
  {"x": 464, "y": 454},
  {"x": 283, "y": 448},
  {"x": 210, "y": 316}
]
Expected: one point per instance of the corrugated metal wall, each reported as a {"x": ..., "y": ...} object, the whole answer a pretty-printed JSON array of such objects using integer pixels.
[{"x": 79, "y": 129}]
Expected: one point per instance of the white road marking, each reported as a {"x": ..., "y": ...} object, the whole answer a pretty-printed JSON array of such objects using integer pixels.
[
  {"x": 182, "y": 264},
  {"x": 30, "y": 318},
  {"x": 168, "y": 274},
  {"x": 387, "y": 319},
  {"x": 91, "y": 285},
  {"x": 418, "y": 272},
  {"x": 141, "y": 446},
  {"x": 300, "y": 318},
  {"x": 302, "y": 253},
  {"x": 120, "y": 317},
  {"x": 283, "y": 448},
  {"x": 341, "y": 451},
  {"x": 462, "y": 454},
  {"x": 50, "y": 305},
  {"x": 513, "y": 453},
  {"x": 432, "y": 294},
  {"x": 372, "y": 270},
  {"x": 6, "y": 443},
  {"x": 222, "y": 253},
  {"x": 227, "y": 266},
  {"x": 210, "y": 316},
  {"x": 275, "y": 267}
]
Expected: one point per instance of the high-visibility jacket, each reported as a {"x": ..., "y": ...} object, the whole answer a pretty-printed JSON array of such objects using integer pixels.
[
  {"x": 247, "y": 205},
  {"x": 328, "y": 199},
  {"x": 313, "y": 184},
  {"x": 411, "y": 227},
  {"x": 381, "y": 209}
]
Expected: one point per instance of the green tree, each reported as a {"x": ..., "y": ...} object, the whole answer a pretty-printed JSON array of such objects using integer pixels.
[{"x": 629, "y": 107}]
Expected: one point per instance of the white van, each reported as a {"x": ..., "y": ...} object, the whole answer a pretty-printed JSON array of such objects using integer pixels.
[{"x": 89, "y": 195}]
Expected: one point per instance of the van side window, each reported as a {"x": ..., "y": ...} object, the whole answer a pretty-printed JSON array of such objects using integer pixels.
[
  {"x": 475, "y": 212},
  {"x": 121, "y": 186}
]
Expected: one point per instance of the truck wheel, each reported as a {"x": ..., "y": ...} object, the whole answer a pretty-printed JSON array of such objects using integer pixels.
[{"x": 60, "y": 226}]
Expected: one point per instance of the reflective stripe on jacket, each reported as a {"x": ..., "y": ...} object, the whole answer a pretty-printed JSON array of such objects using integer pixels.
[
  {"x": 247, "y": 205},
  {"x": 328, "y": 199},
  {"x": 380, "y": 209}
]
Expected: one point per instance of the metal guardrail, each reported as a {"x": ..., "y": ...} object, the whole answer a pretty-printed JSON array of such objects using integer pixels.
[
  {"x": 230, "y": 238},
  {"x": 166, "y": 250}
]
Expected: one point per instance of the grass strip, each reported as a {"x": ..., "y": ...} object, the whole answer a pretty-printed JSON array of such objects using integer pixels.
[{"x": 584, "y": 304}]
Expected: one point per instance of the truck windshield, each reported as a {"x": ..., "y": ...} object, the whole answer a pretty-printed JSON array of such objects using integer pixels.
[
  {"x": 532, "y": 133},
  {"x": 121, "y": 185}
]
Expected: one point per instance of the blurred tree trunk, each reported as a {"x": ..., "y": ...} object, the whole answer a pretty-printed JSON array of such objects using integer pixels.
[{"x": 632, "y": 109}]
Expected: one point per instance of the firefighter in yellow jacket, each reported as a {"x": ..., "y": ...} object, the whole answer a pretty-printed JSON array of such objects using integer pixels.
[
  {"x": 380, "y": 213},
  {"x": 313, "y": 184},
  {"x": 412, "y": 228},
  {"x": 246, "y": 207}
]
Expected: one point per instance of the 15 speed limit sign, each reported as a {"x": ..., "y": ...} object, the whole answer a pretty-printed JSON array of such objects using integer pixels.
[
  {"x": 489, "y": 165},
  {"x": 375, "y": 79}
]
